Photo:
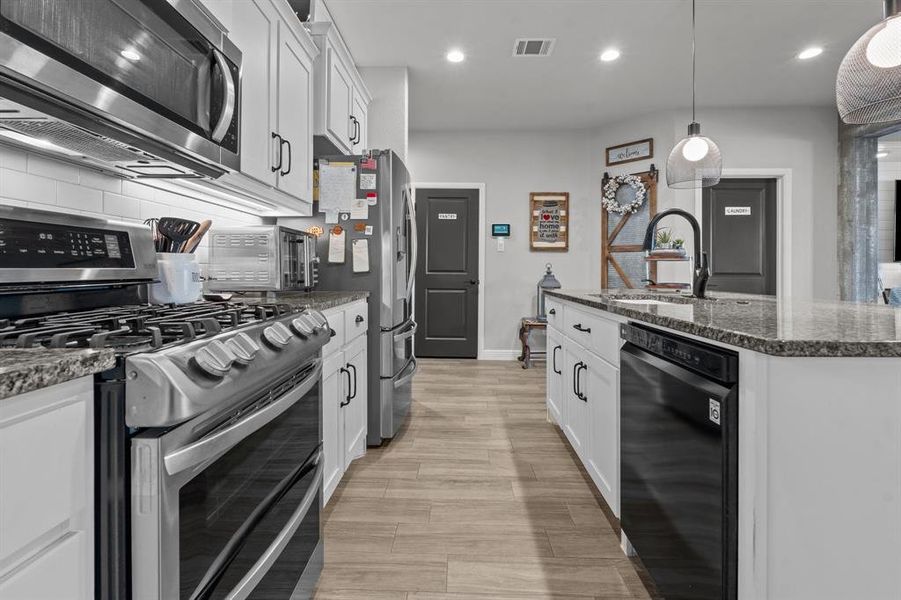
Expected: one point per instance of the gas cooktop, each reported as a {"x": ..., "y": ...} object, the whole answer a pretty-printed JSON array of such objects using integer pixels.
[{"x": 136, "y": 328}]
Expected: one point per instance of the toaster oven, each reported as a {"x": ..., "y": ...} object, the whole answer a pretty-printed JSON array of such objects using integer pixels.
[{"x": 262, "y": 258}]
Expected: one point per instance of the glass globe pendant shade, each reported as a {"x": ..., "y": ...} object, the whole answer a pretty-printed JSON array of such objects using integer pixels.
[
  {"x": 868, "y": 86},
  {"x": 695, "y": 162}
]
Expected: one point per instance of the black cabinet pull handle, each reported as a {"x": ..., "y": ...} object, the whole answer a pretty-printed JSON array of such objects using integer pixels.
[
  {"x": 290, "y": 157},
  {"x": 281, "y": 143},
  {"x": 347, "y": 395},
  {"x": 578, "y": 327},
  {"x": 553, "y": 311},
  {"x": 575, "y": 389},
  {"x": 354, "y": 394},
  {"x": 583, "y": 368},
  {"x": 554, "y": 360},
  {"x": 359, "y": 319},
  {"x": 358, "y": 131}
]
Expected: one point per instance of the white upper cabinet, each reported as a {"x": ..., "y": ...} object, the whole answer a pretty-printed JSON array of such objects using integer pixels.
[
  {"x": 341, "y": 98},
  {"x": 276, "y": 102}
]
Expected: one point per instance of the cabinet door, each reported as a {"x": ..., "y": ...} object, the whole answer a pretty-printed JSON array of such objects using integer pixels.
[
  {"x": 555, "y": 376},
  {"x": 340, "y": 91},
  {"x": 253, "y": 27},
  {"x": 601, "y": 387},
  {"x": 295, "y": 117},
  {"x": 355, "y": 412},
  {"x": 575, "y": 424},
  {"x": 361, "y": 114},
  {"x": 61, "y": 571},
  {"x": 334, "y": 391}
]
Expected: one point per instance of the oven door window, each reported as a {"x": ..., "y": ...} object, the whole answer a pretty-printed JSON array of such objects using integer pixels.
[
  {"x": 145, "y": 50},
  {"x": 234, "y": 510}
]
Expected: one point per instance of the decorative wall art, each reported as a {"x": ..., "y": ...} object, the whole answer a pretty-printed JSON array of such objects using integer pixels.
[
  {"x": 626, "y": 153},
  {"x": 549, "y": 221},
  {"x": 629, "y": 202}
]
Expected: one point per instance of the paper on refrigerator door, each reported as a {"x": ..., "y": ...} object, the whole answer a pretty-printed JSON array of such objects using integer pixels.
[
  {"x": 360, "y": 209},
  {"x": 336, "y": 245},
  {"x": 360, "y": 250},
  {"x": 337, "y": 186}
]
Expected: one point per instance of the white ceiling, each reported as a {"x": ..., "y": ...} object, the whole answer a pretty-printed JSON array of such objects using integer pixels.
[{"x": 746, "y": 56}]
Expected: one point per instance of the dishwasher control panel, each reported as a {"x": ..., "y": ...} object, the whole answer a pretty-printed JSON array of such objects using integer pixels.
[{"x": 710, "y": 361}]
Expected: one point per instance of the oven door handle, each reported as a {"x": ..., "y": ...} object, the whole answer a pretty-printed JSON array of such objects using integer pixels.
[
  {"x": 221, "y": 441},
  {"x": 243, "y": 589}
]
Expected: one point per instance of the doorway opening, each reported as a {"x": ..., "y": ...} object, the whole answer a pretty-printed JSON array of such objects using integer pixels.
[{"x": 448, "y": 300}]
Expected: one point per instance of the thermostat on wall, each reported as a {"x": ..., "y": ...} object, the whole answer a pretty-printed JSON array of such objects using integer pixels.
[{"x": 500, "y": 230}]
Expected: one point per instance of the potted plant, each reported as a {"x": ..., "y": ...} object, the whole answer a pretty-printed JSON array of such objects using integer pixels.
[{"x": 663, "y": 239}]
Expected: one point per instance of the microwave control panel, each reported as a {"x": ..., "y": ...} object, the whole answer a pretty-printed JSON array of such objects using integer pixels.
[{"x": 27, "y": 245}]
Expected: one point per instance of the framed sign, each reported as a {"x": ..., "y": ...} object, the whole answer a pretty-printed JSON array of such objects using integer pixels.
[
  {"x": 549, "y": 221},
  {"x": 626, "y": 153}
]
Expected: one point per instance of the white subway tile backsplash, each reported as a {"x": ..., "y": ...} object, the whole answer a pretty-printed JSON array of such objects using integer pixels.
[
  {"x": 121, "y": 206},
  {"x": 79, "y": 197},
  {"x": 19, "y": 185},
  {"x": 53, "y": 169},
  {"x": 12, "y": 158},
  {"x": 100, "y": 181},
  {"x": 137, "y": 190}
]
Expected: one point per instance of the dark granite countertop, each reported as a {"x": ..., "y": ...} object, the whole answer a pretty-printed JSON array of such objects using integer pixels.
[
  {"x": 319, "y": 300},
  {"x": 26, "y": 370},
  {"x": 766, "y": 324}
]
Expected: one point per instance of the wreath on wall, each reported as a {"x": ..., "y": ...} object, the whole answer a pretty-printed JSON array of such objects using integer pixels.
[{"x": 612, "y": 205}]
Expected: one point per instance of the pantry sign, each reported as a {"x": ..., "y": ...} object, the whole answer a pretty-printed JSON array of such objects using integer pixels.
[{"x": 549, "y": 218}]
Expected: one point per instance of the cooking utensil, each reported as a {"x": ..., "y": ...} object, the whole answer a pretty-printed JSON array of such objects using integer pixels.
[
  {"x": 194, "y": 240},
  {"x": 178, "y": 231},
  {"x": 154, "y": 232}
]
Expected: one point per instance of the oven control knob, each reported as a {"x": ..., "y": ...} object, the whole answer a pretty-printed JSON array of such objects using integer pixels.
[
  {"x": 278, "y": 335},
  {"x": 319, "y": 321},
  {"x": 215, "y": 359},
  {"x": 243, "y": 347},
  {"x": 302, "y": 326}
]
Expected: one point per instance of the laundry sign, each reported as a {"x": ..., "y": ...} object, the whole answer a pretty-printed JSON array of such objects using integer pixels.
[
  {"x": 738, "y": 211},
  {"x": 447, "y": 216}
]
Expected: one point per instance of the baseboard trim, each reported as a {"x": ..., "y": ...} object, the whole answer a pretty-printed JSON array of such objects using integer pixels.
[{"x": 499, "y": 355}]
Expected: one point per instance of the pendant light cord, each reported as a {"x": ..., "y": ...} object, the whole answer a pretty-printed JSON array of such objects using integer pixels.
[{"x": 693, "y": 61}]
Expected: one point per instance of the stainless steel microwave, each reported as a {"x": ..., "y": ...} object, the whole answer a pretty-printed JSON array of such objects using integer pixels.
[
  {"x": 262, "y": 258},
  {"x": 142, "y": 88}
]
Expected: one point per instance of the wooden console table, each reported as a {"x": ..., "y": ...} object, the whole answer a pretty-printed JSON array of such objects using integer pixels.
[{"x": 527, "y": 325}]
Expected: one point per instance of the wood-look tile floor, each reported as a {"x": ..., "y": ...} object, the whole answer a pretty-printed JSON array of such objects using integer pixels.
[{"x": 477, "y": 498}]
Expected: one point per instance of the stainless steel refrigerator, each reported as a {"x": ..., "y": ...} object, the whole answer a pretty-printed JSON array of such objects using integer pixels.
[{"x": 392, "y": 265}]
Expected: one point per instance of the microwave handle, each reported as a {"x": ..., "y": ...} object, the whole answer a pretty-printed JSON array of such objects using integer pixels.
[{"x": 228, "y": 102}]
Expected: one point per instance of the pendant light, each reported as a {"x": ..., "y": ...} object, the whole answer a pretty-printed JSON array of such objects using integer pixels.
[
  {"x": 868, "y": 87},
  {"x": 696, "y": 160}
]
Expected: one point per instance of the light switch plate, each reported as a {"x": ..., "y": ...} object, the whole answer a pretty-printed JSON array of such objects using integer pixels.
[{"x": 500, "y": 244}]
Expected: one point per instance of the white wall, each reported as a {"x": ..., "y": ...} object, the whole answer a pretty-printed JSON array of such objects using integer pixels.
[
  {"x": 511, "y": 165},
  {"x": 33, "y": 181},
  {"x": 389, "y": 112},
  {"x": 801, "y": 139}
]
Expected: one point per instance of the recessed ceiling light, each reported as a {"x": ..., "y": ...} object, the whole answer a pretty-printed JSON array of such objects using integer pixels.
[
  {"x": 881, "y": 154},
  {"x": 455, "y": 56},
  {"x": 812, "y": 52},
  {"x": 610, "y": 54},
  {"x": 130, "y": 54}
]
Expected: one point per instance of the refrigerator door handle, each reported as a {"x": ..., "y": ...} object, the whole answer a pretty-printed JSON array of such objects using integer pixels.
[
  {"x": 407, "y": 332},
  {"x": 414, "y": 245},
  {"x": 403, "y": 379}
]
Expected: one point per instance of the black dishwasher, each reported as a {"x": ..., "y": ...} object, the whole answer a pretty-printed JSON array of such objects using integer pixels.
[{"x": 679, "y": 462}]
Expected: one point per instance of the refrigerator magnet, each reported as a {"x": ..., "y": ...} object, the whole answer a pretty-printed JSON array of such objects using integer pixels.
[
  {"x": 372, "y": 198},
  {"x": 367, "y": 181}
]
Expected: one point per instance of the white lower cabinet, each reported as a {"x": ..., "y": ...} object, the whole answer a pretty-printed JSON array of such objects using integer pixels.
[
  {"x": 47, "y": 493},
  {"x": 344, "y": 395},
  {"x": 583, "y": 393}
]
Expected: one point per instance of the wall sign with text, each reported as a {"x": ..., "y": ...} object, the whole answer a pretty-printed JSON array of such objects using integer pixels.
[
  {"x": 549, "y": 221},
  {"x": 626, "y": 153}
]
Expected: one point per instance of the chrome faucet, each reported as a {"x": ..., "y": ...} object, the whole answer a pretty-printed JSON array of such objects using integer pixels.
[{"x": 701, "y": 271}]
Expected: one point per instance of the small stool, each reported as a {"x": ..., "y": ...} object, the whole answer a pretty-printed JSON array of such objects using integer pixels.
[{"x": 526, "y": 326}]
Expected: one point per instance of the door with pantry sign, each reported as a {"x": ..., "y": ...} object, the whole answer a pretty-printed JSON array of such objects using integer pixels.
[{"x": 447, "y": 273}]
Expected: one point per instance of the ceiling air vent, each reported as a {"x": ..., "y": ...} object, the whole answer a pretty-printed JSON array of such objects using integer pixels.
[{"x": 533, "y": 47}]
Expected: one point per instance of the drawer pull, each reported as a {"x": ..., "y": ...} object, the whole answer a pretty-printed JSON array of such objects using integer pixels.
[
  {"x": 553, "y": 311},
  {"x": 359, "y": 319},
  {"x": 578, "y": 327}
]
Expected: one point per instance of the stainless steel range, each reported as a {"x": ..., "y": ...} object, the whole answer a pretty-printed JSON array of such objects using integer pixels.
[{"x": 209, "y": 435}]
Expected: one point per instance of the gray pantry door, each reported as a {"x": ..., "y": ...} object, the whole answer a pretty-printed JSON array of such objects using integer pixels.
[
  {"x": 447, "y": 273},
  {"x": 739, "y": 234}
]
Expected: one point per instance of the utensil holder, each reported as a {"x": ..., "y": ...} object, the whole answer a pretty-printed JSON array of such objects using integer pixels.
[{"x": 180, "y": 280}]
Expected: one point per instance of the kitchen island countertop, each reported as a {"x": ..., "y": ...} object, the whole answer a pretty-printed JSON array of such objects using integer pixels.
[
  {"x": 25, "y": 369},
  {"x": 765, "y": 324}
]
